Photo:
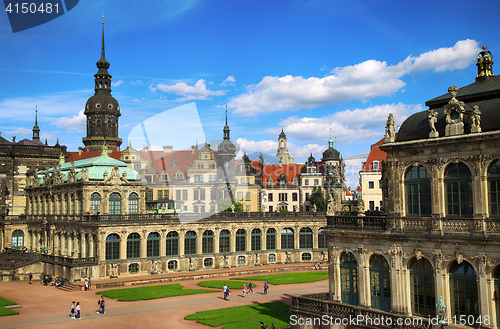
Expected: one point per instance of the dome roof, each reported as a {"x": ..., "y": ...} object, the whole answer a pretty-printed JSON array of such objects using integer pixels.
[
  {"x": 104, "y": 103},
  {"x": 331, "y": 154},
  {"x": 485, "y": 94},
  {"x": 226, "y": 146}
]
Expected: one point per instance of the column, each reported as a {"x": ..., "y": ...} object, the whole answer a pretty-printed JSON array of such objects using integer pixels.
[
  {"x": 315, "y": 237},
  {"x": 484, "y": 301},
  {"x": 364, "y": 281},
  {"x": 83, "y": 247},
  {"x": 296, "y": 234},
  {"x": 91, "y": 245},
  {"x": 101, "y": 242},
  {"x": 123, "y": 245},
  {"x": 263, "y": 239},
  {"x": 216, "y": 242},
  {"x": 163, "y": 243},
  {"x": 278, "y": 238},
  {"x": 336, "y": 274},
  {"x": 199, "y": 242},
  {"x": 248, "y": 240},
  {"x": 182, "y": 233},
  {"x": 232, "y": 241},
  {"x": 144, "y": 245}
]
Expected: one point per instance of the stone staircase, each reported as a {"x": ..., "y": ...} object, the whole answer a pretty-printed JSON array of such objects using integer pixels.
[{"x": 70, "y": 287}]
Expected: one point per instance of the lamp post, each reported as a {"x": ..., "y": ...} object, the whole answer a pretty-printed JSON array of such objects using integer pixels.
[{"x": 441, "y": 310}]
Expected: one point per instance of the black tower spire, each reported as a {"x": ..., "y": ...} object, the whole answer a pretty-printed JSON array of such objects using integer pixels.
[{"x": 36, "y": 129}]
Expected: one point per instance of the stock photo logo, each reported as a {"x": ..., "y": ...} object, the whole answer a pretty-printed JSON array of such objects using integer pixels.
[{"x": 25, "y": 15}]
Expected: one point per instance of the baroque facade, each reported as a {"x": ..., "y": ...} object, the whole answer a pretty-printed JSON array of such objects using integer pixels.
[{"x": 440, "y": 239}]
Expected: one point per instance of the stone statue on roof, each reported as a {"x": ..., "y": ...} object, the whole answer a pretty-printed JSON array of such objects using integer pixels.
[
  {"x": 432, "y": 116},
  {"x": 390, "y": 129},
  {"x": 475, "y": 120}
]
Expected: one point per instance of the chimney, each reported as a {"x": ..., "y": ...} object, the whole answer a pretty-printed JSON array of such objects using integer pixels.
[{"x": 167, "y": 149}]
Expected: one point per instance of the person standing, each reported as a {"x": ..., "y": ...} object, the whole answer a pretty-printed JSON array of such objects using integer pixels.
[
  {"x": 250, "y": 287},
  {"x": 31, "y": 278},
  {"x": 228, "y": 294},
  {"x": 86, "y": 285},
  {"x": 90, "y": 284},
  {"x": 72, "y": 315},
  {"x": 224, "y": 289},
  {"x": 78, "y": 311},
  {"x": 103, "y": 303},
  {"x": 265, "y": 287},
  {"x": 244, "y": 289}
]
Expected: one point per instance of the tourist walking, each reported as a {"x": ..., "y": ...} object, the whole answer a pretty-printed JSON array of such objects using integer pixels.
[
  {"x": 72, "y": 314},
  {"x": 244, "y": 289},
  {"x": 228, "y": 294},
  {"x": 86, "y": 285},
  {"x": 250, "y": 287},
  {"x": 31, "y": 278},
  {"x": 265, "y": 287},
  {"x": 78, "y": 311},
  {"x": 90, "y": 284},
  {"x": 225, "y": 289},
  {"x": 103, "y": 303}
]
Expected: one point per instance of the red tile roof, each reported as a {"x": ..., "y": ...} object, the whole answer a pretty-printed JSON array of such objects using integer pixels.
[
  {"x": 275, "y": 170},
  {"x": 74, "y": 156},
  {"x": 375, "y": 155}
]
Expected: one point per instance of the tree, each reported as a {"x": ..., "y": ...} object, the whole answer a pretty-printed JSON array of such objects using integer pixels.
[
  {"x": 225, "y": 205},
  {"x": 318, "y": 199}
]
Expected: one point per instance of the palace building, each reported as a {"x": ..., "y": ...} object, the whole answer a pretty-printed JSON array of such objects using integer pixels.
[{"x": 440, "y": 240}]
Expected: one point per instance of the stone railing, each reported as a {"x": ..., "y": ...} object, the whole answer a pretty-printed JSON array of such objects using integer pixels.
[
  {"x": 222, "y": 216},
  {"x": 409, "y": 225},
  {"x": 68, "y": 261},
  {"x": 357, "y": 222},
  {"x": 319, "y": 305},
  {"x": 11, "y": 260}
]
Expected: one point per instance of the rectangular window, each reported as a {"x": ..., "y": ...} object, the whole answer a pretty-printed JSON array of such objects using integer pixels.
[
  {"x": 270, "y": 197},
  {"x": 196, "y": 195},
  {"x": 248, "y": 208},
  {"x": 202, "y": 194},
  {"x": 160, "y": 194},
  {"x": 371, "y": 185},
  {"x": 184, "y": 194},
  {"x": 247, "y": 196},
  {"x": 178, "y": 195},
  {"x": 316, "y": 182},
  {"x": 307, "y": 196},
  {"x": 149, "y": 195},
  {"x": 198, "y": 178},
  {"x": 166, "y": 193},
  {"x": 375, "y": 165},
  {"x": 240, "y": 196},
  {"x": 294, "y": 196},
  {"x": 212, "y": 194},
  {"x": 306, "y": 181},
  {"x": 372, "y": 205},
  {"x": 270, "y": 208}
]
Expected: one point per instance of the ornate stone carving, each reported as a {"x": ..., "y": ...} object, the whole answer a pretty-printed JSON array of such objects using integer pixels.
[
  {"x": 459, "y": 257},
  {"x": 454, "y": 111},
  {"x": 361, "y": 207},
  {"x": 114, "y": 270},
  {"x": 432, "y": 117},
  {"x": 390, "y": 129},
  {"x": 331, "y": 206},
  {"x": 475, "y": 120}
]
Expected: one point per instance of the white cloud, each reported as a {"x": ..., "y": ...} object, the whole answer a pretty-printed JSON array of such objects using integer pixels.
[
  {"x": 77, "y": 122},
  {"x": 197, "y": 91},
  {"x": 20, "y": 131},
  {"x": 363, "y": 81},
  {"x": 229, "y": 81},
  {"x": 46, "y": 136},
  {"x": 117, "y": 83},
  {"x": 349, "y": 125}
]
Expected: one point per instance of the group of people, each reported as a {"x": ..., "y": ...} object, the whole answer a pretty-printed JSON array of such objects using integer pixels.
[
  {"x": 75, "y": 310},
  {"x": 88, "y": 284},
  {"x": 56, "y": 282},
  {"x": 227, "y": 291}
]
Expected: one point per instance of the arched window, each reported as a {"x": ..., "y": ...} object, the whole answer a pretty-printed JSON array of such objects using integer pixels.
[
  {"x": 112, "y": 247},
  {"x": 241, "y": 236},
  {"x": 422, "y": 288},
  {"x": 271, "y": 239},
  {"x": 463, "y": 288},
  {"x": 497, "y": 295},
  {"x": 190, "y": 243},
  {"x": 287, "y": 239},
  {"x": 172, "y": 244},
  {"x": 458, "y": 183},
  {"x": 95, "y": 202},
  {"x": 17, "y": 239},
  {"x": 153, "y": 245},
  {"x": 207, "y": 243},
  {"x": 224, "y": 241},
  {"x": 380, "y": 282},
  {"x": 255, "y": 240},
  {"x": 306, "y": 238},
  {"x": 418, "y": 191},
  {"x": 133, "y": 246},
  {"x": 115, "y": 204},
  {"x": 494, "y": 189},
  {"x": 322, "y": 240},
  {"x": 133, "y": 203},
  {"x": 349, "y": 279}
]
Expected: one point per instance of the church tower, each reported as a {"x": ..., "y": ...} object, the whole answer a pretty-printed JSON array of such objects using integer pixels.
[
  {"x": 225, "y": 165},
  {"x": 282, "y": 153},
  {"x": 36, "y": 129},
  {"x": 102, "y": 110}
]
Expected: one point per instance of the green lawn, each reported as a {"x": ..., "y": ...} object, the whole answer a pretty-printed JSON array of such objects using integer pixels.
[
  {"x": 151, "y": 292},
  {"x": 6, "y": 311},
  {"x": 288, "y": 278},
  {"x": 218, "y": 284},
  {"x": 247, "y": 316}
]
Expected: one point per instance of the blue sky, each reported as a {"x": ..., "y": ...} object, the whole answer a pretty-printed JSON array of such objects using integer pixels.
[{"x": 306, "y": 65}]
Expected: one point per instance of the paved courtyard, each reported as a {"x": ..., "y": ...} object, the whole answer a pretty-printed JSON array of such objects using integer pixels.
[{"x": 48, "y": 307}]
